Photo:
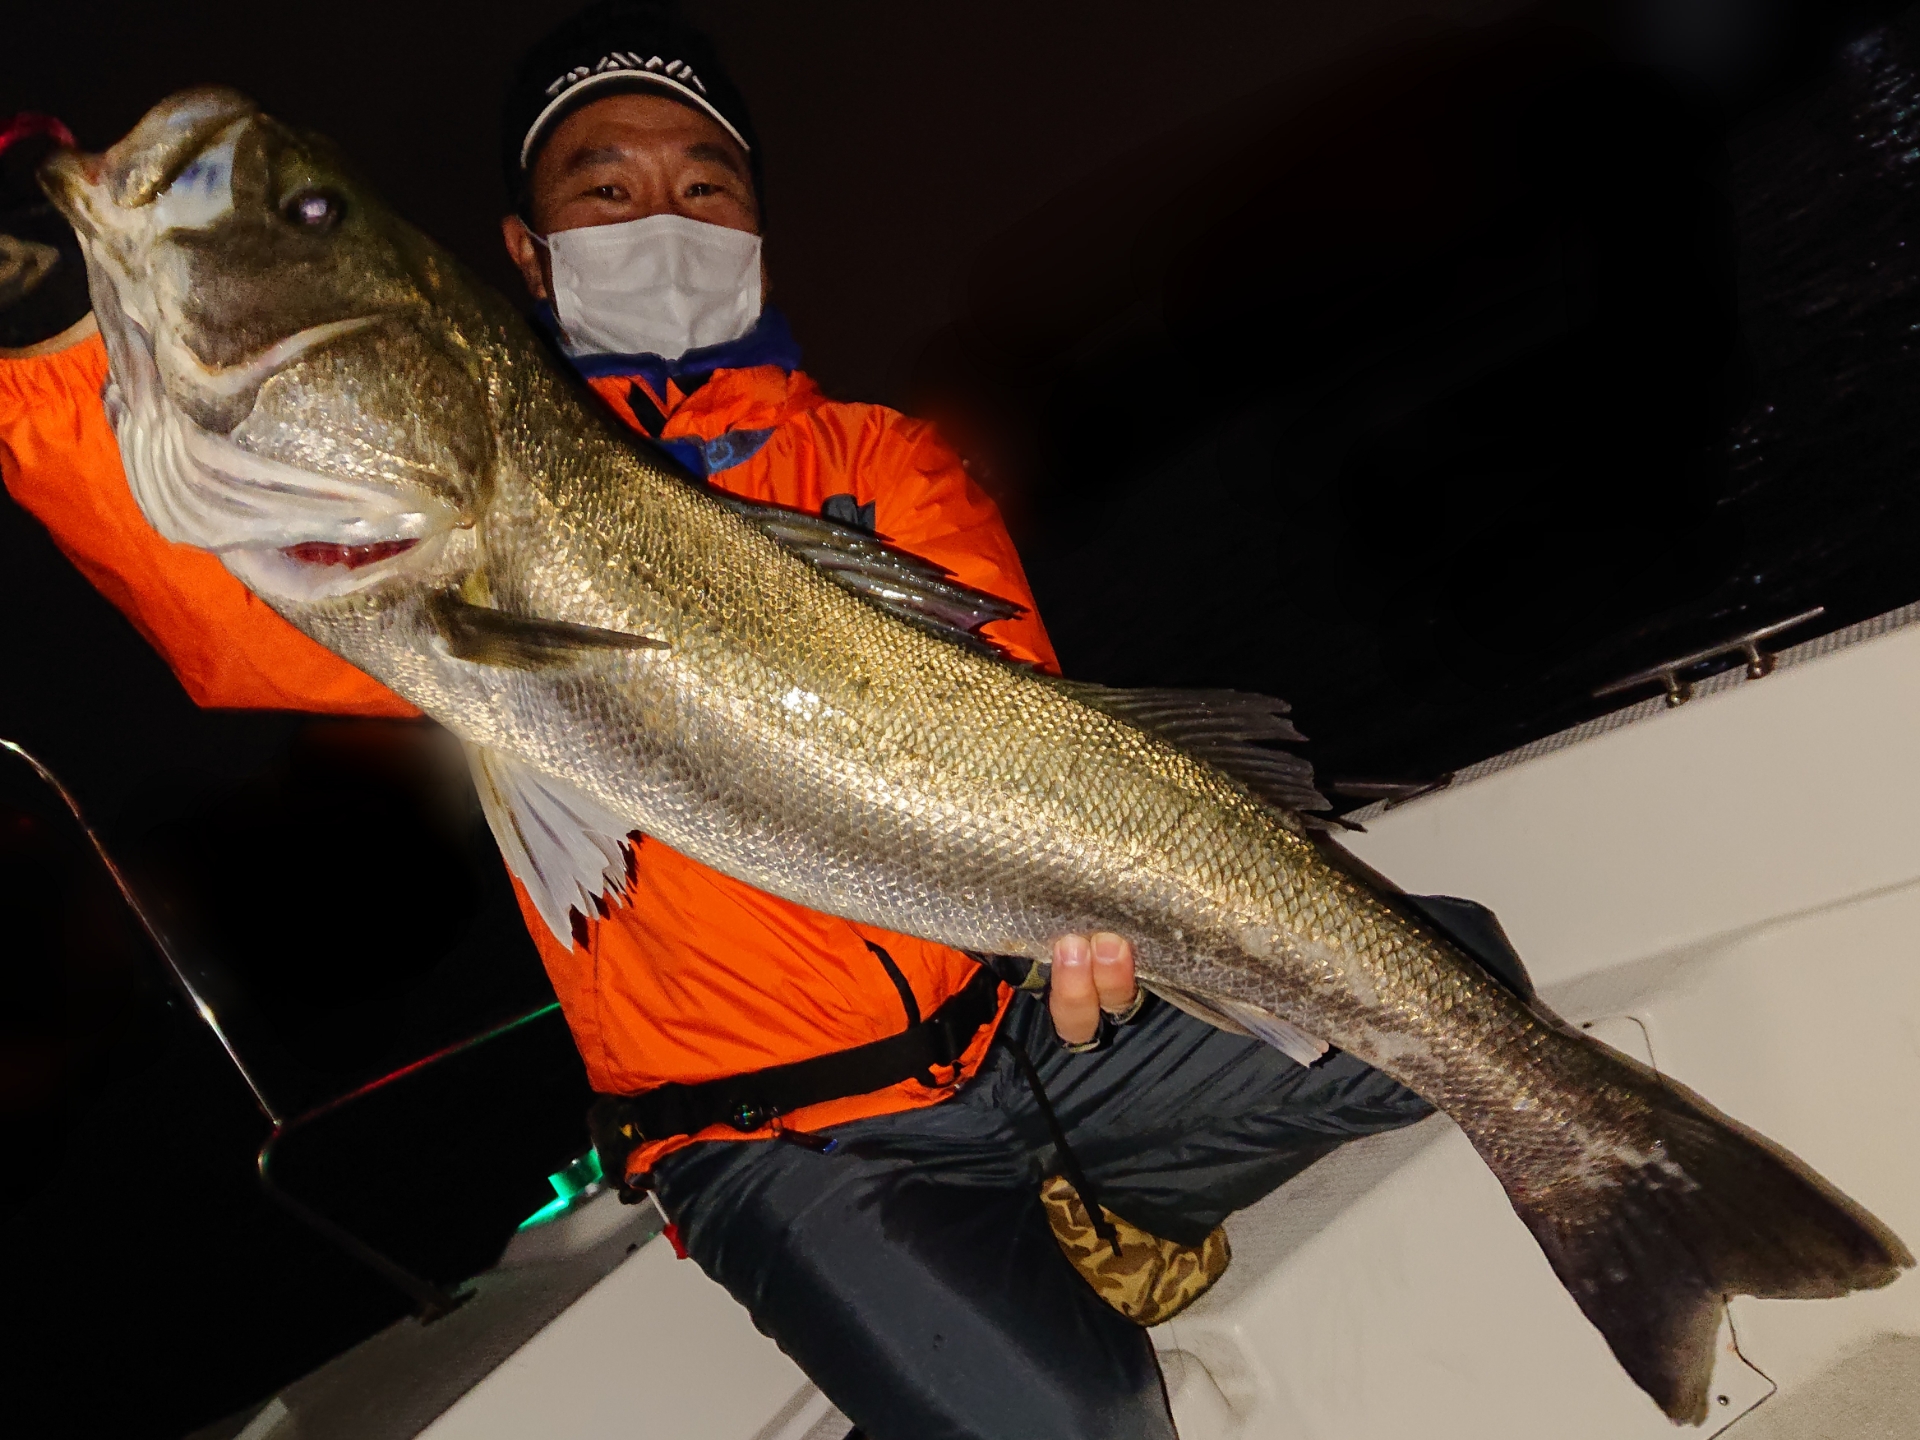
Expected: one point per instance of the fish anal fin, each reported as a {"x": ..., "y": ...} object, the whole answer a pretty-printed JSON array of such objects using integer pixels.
[
  {"x": 1232, "y": 730},
  {"x": 1651, "y": 1239},
  {"x": 1198, "y": 1008},
  {"x": 1283, "y": 1035},
  {"x": 482, "y": 635},
  {"x": 564, "y": 847},
  {"x": 1237, "y": 1017}
]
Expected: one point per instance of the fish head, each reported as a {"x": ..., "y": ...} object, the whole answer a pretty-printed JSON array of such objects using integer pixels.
[{"x": 294, "y": 382}]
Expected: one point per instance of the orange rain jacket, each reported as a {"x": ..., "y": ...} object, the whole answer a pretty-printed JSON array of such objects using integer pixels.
[{"x": 693, "y": 976}]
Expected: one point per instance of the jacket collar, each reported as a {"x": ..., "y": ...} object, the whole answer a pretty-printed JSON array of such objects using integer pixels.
[
  {"x": 745, "y": 400},
  {"x": 769, "y": 342}
]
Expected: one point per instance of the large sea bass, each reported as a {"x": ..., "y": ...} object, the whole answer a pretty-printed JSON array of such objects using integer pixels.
[{"x": 384, "y": 453}]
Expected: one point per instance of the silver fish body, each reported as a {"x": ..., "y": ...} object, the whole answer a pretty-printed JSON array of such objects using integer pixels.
[{"x": 641, "y": 654}]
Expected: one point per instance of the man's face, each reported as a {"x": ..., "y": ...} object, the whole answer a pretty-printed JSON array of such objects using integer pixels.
[{"x": 624, "y": 158}]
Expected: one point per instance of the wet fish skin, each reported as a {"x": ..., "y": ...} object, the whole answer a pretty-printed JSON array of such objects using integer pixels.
[{"x": 771, "y": 724}]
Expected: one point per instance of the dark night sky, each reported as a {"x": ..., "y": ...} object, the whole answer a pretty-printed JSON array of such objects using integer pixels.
[{"x": 901, "y": 140}]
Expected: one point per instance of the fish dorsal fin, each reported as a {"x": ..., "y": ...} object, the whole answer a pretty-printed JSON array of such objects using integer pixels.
[
  {"x": 1237, "y": 1017},
  {"x": 1229, "y": 729},
  {"x": 912, "y": 588},
  {"x": 566, "y": 848}
]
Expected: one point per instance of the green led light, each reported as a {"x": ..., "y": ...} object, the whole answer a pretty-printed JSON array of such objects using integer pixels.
[
  {"x": 569, "y": 1184},
  {"x": 545, "y": 1213}
]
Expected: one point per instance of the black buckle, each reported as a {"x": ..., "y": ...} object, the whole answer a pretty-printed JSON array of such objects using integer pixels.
[
  {"x": 947, "y": 1043},
  {"x": 615, "y": 1132}
]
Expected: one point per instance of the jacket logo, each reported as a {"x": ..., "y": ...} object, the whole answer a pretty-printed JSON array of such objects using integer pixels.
[{"x": 629, "y": 60}]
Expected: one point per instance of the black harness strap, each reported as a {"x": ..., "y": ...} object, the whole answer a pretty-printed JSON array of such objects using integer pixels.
[
  {"x": 899, "y": 979},
  {"x": 907, "y": 1000},
  {"x": 751, "y": 1101}
]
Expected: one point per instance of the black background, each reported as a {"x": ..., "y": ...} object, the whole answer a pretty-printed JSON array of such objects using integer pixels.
[{"x": 1430, "y": 365}]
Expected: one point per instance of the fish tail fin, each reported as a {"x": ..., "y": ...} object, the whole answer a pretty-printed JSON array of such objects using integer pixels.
[{"x": 1651, "y": 1245}]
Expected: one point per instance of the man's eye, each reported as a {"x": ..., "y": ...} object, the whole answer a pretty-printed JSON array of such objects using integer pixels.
[
  {"x": 700, "y": 189},
  {"x": 607, "y": 192}
]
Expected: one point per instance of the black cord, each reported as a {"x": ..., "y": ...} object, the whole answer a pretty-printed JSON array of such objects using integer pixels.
[{"x": 1069, "y": 1162}]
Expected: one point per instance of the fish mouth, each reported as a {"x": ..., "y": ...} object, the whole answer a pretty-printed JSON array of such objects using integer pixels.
[
  {"x": 291, "y": 532},
  {"x": 88, "y": 188},
  {"x": 310, "y": 571},
  {"x": 350, "y": 557},
  {"x": 201, "y": 488},
  {"x": 294, "y": 526}
]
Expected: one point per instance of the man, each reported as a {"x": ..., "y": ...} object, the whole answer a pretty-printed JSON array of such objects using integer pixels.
[{"x": 849, "y": 1127}]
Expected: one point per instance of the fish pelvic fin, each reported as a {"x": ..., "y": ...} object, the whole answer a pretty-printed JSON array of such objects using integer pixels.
[
  {"x": 483, "y": 635},
  {"x": 564, "y": 847},
  {"x": 1651, "y": 1242}
]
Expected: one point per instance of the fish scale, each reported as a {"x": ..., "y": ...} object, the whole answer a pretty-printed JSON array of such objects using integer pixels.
[{"x": 790, "y": 703}]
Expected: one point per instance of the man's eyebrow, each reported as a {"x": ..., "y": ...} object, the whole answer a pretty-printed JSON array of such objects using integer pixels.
[
  {"x": 719, "y": 154},
  {"x": 588, "y": 157}
]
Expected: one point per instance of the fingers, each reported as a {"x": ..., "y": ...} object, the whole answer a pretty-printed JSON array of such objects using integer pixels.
[
  {"x": 1091, "y": 973},
  {"x": 1113, "y": 978},
  {"x": 1072, "y": 998}
]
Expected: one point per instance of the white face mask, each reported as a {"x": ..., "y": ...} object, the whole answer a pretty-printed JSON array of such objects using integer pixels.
[{"x": 661, "y": 285}]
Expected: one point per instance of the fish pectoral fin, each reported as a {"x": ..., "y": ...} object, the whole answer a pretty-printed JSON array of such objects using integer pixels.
[
  {"x": 566, "y": 848},
  {"x": 1237, "y": 1017},
  {"x": 483, "y": 635}
]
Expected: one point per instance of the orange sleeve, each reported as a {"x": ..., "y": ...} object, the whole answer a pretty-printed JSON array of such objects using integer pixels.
[
  {"x": 925, "y": 503},
  {"x": 229, "y": 650}
]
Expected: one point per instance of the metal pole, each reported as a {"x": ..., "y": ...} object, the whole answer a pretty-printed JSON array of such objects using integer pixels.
[
  {"x": 181, "y": 979},
  {"x": 432, "y": 1300}
]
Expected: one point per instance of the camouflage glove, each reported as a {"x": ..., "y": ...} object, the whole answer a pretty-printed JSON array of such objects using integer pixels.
[{"x": 43, "y": 281}]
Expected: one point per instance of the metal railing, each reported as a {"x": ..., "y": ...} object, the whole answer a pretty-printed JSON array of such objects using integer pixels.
[
  {"x": 430, "y": 1300},
  {"x": 1746, "y": 645}
]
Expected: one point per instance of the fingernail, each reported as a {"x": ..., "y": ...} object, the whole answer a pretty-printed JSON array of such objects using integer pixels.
[
  {"x": 1071, "y": 950},
  {"x": 1108, "y": 946}
]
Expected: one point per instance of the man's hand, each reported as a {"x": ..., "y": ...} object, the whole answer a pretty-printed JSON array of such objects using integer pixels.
[
  {"x": 43, "y": 280},
  {"x": 1091, "y": 973}
]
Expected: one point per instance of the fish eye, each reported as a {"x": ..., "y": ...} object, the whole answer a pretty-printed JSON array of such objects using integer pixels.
[{"x": 316, "y": 210}]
